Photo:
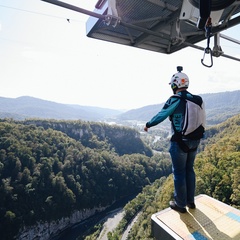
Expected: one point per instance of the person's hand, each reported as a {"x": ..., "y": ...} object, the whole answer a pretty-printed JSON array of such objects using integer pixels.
[{"x": 145, "y": 129}]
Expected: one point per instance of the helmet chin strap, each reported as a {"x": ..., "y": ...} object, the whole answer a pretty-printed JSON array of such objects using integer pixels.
[{"x": 174, "y": 88}]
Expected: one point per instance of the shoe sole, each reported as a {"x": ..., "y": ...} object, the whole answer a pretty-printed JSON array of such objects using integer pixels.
[{"x": 176, "y": 208}]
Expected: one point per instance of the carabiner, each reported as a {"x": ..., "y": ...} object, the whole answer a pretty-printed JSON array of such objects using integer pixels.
[{"x": 207, "y": 51}]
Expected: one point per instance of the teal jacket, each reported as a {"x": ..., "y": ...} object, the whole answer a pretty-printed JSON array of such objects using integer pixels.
[{"x": 174, "y": 108}]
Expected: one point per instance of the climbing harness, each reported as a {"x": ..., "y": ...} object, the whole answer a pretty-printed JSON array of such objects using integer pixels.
[{"x": 207, "y": 50}]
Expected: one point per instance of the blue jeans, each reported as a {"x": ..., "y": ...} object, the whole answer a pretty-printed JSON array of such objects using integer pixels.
[{"x": 183, "y": 172}]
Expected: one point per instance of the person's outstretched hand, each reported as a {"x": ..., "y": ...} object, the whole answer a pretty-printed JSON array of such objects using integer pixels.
[{"x": 145, "y": 129}]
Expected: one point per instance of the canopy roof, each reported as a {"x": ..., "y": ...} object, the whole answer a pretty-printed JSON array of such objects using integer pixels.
[{"x": 158, "y": 25}]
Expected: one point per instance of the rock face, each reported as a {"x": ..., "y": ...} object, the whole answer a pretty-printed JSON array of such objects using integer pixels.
[
  {"x": 122, "y": 139},
  {"x": 46, "y": 230}
]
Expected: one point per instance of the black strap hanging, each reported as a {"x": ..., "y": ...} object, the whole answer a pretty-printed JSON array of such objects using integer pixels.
[{"x": 204, "y": 10}]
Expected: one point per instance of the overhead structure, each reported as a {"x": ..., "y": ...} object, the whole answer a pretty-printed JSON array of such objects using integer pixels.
[{"x": 162, "y": 26}]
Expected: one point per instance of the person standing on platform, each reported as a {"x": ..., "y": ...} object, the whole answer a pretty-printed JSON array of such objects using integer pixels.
[{"x": 187, "y": 115}]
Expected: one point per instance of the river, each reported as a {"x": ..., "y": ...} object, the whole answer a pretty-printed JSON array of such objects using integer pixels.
[{"x": 78, "y": 229}]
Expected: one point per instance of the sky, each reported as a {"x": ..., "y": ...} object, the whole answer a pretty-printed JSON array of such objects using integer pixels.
[{"x": 44, "y": 55}]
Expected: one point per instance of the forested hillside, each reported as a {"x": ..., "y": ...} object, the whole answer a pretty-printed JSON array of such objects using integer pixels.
[
  {"x": 50, "y": 169},
  {"x": 218, "y": 175},
  {"x": 218, "y": 166},
  {"x": 99, "y": 136}
]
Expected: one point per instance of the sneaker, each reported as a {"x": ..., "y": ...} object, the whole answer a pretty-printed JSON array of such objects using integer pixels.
[
  {"x": 191, "y": 205},
  {"x": 175, "y": 207}
]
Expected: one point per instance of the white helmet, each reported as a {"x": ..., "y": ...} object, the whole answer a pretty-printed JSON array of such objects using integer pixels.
[{"x": 179, "y": 80}]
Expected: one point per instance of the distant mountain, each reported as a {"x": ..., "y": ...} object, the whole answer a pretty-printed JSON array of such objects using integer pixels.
[
  {"x": 29, "y": 107},
  {"x": 219, "y": 107}
]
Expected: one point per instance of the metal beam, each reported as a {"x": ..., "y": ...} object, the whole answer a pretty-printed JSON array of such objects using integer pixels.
[
  {"x": 201, "y": 48},
  {"x": 230, "y": 39},
  {"x": 230, "y": 23},
  {"x": 74, "y": 8},
  {"x": 106, "y": 18}
]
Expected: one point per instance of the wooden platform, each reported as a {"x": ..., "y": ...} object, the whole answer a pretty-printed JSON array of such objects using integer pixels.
[{"x": 211, "y": 219}]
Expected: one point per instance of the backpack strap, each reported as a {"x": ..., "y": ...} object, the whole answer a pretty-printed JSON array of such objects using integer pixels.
[{"x": 177, "y": 137}]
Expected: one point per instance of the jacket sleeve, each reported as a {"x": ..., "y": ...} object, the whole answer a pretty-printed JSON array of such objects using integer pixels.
[{"x": 167, "y": 110}]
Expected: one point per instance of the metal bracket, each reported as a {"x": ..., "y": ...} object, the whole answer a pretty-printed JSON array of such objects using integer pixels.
[
  {"x": 112, "y": 20},
  {"x": 112, "y": 17},
  {"x": 217, "y": 50}
]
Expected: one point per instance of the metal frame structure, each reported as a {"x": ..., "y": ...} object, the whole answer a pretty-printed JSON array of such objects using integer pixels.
[{"x": 161, "y": 26}]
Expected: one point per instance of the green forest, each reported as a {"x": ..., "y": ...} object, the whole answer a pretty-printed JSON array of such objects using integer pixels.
[
  {"x": 217, "y": 168},
  {"x": 50, "y": 168}
]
